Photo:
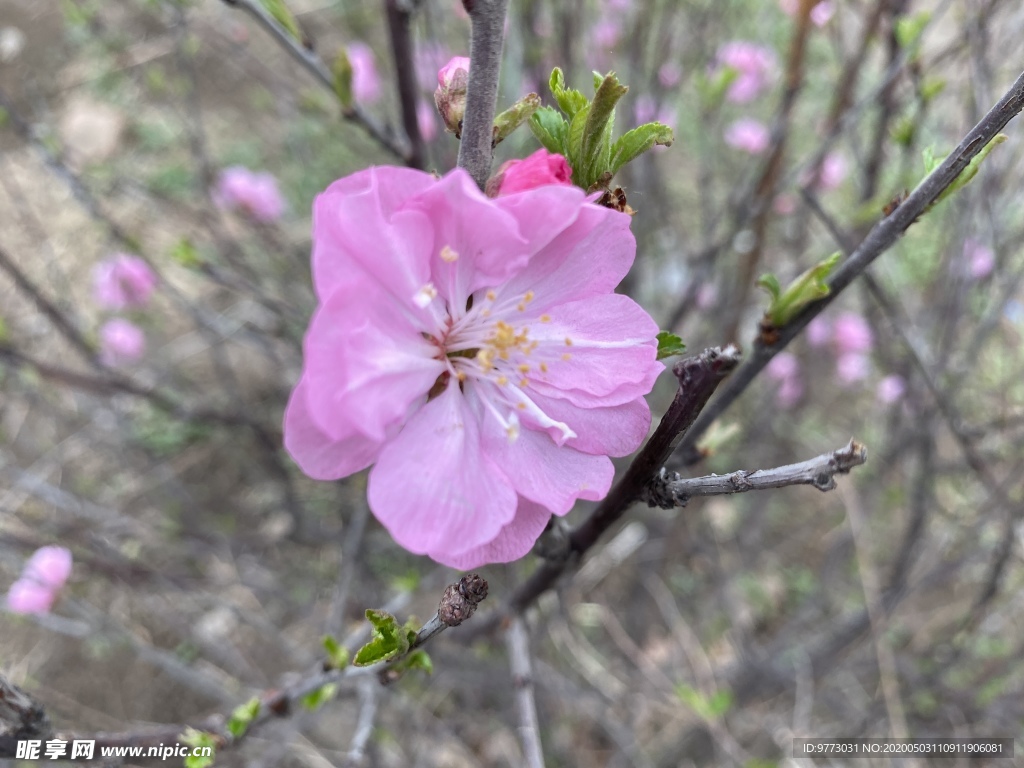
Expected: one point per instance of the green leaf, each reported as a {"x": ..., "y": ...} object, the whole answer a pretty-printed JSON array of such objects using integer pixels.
[
  {"x": 195, "y": 738},
  {"x": 514, "y": 116},
  {"x": 634, "y": 143},
  {"x": 186, "y": 254},
  {"x": 319, "y": 697},
  {"x": 596, "y": 139},
  {"x": 341, "y": 71},
  {"x": 711, "y": 89},
  {"x": 932, "y": 87},
  {"x": 709, "y": 708},
  {"x": 242, "y": 717},
  {"x": 551, "y": 130},
  {"x": 418, "y": 659},
  {"x": 283, "y": 16},
  {"x": 968, "y": 173},
  {"x": 669, "y": 344},
  {"x": 388, "y": 639},
  {"x": 569, "y": 99},
  {"x": 809, "y": 286},
  {"x": 909, "y": 28},
  {"x": 930, "y": 161},
  {"x": 574, "y": 144},
  {"x": 337, "y": 655}
]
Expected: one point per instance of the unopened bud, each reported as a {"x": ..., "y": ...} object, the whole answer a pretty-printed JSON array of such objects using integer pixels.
[{"x": 450, "y": 96}]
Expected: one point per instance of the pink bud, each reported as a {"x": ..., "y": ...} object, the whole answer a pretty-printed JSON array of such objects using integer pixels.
[
  {"x": 833, "y": 171},
  {"x": 852, "y": 334},
  {"x": 538, "y": 170},
  {"x": 747, "y": 135},
  {"x": 450, "y": 96},
  {"x": 890, "y": 389},
  {"x": 980, "y": 259},
  {"x": 365, "y": 80},
  {"x": 27, "y": 596},
  {"x": 255, "y": 194},
  {"x": 122, "y": 281},
  {"x": 121, "y": 342},
  {"x": 50, "y": 566}
]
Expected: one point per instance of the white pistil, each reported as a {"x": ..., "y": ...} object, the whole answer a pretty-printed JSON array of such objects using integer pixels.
[{"x": 424, "y": 296}]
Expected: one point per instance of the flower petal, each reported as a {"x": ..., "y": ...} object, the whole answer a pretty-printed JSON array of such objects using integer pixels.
[
  {"x": 433, "y": 488},
  {"x": 543, "y": 472},
  {"x": 612, "y": 431},
  {"x": 367, "y": 362},
  {"x": 360, "y": 224},
  {"x": 319, "y": 455},
  {"x": 513, "y": 541},
  {"x": 589, "y": 258}
]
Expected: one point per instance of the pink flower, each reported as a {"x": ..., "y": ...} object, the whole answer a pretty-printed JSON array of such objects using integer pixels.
[
  {"x": 754, "y": 65},
  {"x": 255, "y": 194},
  {"x": 819, "y": 332},
  {"x": 851, "y": 334},
  {"x": 890, "y": 389},
  {"x": 833, "y": 171},
  {"x": 670, "y": 74},
  {"x": 747, "y": 135},
  {"x": 820, "y": 13},
  {"x": 426, "y": 118},
  {"x": 41, "y": 580},
  {"x": 785, "y": 369},
  {"x": 122, "y": 281},
  {"x": 450, "y": 96},
  {"x": 980, "y": 259},
  {"x": 607, "y": 32},
  {"x": 121, "y": 342},
  {"x": 473, "y": 350},
  {"x": 365, "y": 80},
  {"x": 852, "y": 367},
  {"x": 537, "y": 170}
]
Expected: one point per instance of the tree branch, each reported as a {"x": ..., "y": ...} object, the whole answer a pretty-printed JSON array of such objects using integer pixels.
[
  {"x": 518, "y": 644},
  {"x": 488, "y": 37},
  {"x": 315, "y": 65},
  {"x": 405, "y": 75},
  {"x": 882, "y": 237},
  {"x": 667, "y": 490}
]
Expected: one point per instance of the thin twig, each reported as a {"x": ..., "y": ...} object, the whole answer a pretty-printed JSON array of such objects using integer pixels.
[
  {"x": 368, "y": 695},
  {"x": 315, "y": 65},
  {"x": 486, "y": 42},
  {"x": 518, "y": 644},
  {"x": 405, "y": 75},
  {"x": 668, "y": 490}
]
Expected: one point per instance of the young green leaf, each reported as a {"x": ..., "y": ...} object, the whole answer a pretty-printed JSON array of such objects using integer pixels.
[
  {"x": 569, "y": 99},
  {"x": 342, "y": 73},
  {"x": 337, "y": 655},
  {"x": 316, "y": 699},
  {"x": 575, "y": 144},
  {"x": 388, "y": 640},
  {"x": 418, "y": 659},
  {"x": 809, "y": 286},
  {"x": 600, "y": 117},
  {"x": 283, "y": 16},
  {"x": 242, "y": 716},
  {"x": 968, "y": 173},
  {"x": 669, "y": 344},
  {"x": 551, "y": 130},
  {"x": 514, "y": 116},
  {"x": 634, "y": 143},
  {"x": 195, "y": 738}
]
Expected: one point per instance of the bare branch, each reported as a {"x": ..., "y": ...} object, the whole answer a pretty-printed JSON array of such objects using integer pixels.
[
  {"x": 315, "y": 65},
  {"x": 668, "y": 490},
  {"x": 405, "y": 75},
  {"x": 518, "y": 644},
  {"x": 488, "y": 37}
]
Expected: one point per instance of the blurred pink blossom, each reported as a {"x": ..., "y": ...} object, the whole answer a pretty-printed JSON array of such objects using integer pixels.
[
  {"x": 852, "y": 367},
  {"x": 820, "y": 14},
  {"x": 41, "y": 580},
  {"x": 539, "y": 169},
  {"x": 482, "y": 339},
  {"x": 607, "y": 32},
  {"x": 748, "y": 135},
  {"x": 818, "y": 332},
  {"x": 121, "y": 342},
  {"x": 122, "y": 281},
  {"x": 833, "y": 171},
  {"x": 980, "y": 259},
  {"x": 754, "y": 65},
  {"x": 890, "y": 389},
  {"x": 707, "y": 296},
  {"x": 785, "y": 369},
  {"x": 670, "y": 74},
  {"x": 851, "y": 334},
  {"x": 430, "y": 56},
  {"x": 254, "y": 194},
  {"x": 366, "y": 86},
  {"x": 426, "y": 118},
  {"x": 784, "y": 204}
]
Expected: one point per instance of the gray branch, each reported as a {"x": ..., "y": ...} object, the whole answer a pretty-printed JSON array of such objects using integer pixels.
[
  {"x": 518, "y": 643},
  {"x": 667, "y": 490},
  {"x": 488, "y": 37}
]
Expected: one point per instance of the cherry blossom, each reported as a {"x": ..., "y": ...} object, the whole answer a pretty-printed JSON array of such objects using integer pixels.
[
  {"x": 254, "y": 194},
  {"x": 41, "y": 580},
  {"x": 473, "y": 351},
  {"x": 123, "y": 281}
]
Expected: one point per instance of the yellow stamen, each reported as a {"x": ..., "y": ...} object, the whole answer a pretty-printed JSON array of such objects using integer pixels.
[{"x": 449, "y": 254}]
